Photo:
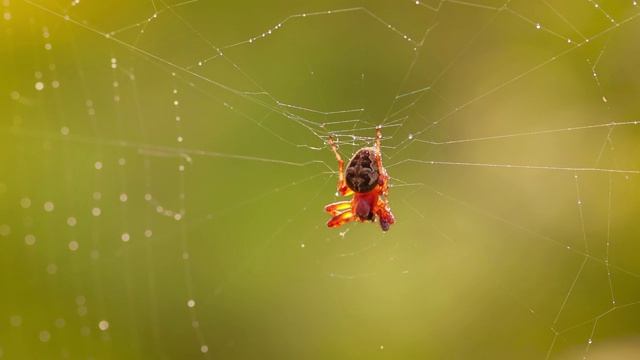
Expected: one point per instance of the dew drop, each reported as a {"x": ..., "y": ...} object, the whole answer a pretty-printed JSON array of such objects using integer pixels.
[
  {"x": 52, "y": 269},
  {"x": 44, "y": 336},
  {"x": 60, "y": 323},
  {"x": 15, "y": 320},
  {"x": 29, "y": 239},
  {"x": 25, "y": 202}
]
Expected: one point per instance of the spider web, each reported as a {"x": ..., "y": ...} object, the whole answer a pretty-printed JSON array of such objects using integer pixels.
[{"x": 165, "y": 165}]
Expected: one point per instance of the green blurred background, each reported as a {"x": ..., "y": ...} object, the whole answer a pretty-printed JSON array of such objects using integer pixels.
[{"x": 164, "y": 167}]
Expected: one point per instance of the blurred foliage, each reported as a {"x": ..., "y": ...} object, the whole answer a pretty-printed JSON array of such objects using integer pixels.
[{"x": 164, "y": 166}]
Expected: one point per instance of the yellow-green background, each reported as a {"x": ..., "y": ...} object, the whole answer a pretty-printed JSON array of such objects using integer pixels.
[{"x": 485, "y": 260}]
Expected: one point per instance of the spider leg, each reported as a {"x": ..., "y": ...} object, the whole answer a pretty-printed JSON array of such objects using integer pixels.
[
  {"x": 341, "y": 219},
  {"x": 343, "y": 189},
  {"x": 384, "y": 215},
  {"x": 337, "y": 207}
]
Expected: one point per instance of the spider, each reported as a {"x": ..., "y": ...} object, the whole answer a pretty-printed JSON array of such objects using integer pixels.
[{"x": 366, "y": 179}]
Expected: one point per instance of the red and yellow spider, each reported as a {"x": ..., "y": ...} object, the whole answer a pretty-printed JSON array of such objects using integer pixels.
[{"x": 366, "y": 179}]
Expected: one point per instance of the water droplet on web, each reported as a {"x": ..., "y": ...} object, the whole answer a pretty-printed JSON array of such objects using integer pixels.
[
  {"x": 60, "y": 323},
  {"x": 80, "y": 300},
  {"x": 44, "y": 336},
  {"x": 85, "y": 331},
  {"x": 537, "y": 26},
  {"x": 29, "y": 239},
  {"x": 15, "y": 320},
  {"x": 52, "y": 269}
]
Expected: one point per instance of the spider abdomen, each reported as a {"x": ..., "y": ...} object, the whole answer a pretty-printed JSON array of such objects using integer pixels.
[{"x": 362, "y": 173}]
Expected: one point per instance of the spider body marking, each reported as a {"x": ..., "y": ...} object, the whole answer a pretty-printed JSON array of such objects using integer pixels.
[
  {"x": 366, "y": 179},
  {"x": 362, "y": 173}
]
